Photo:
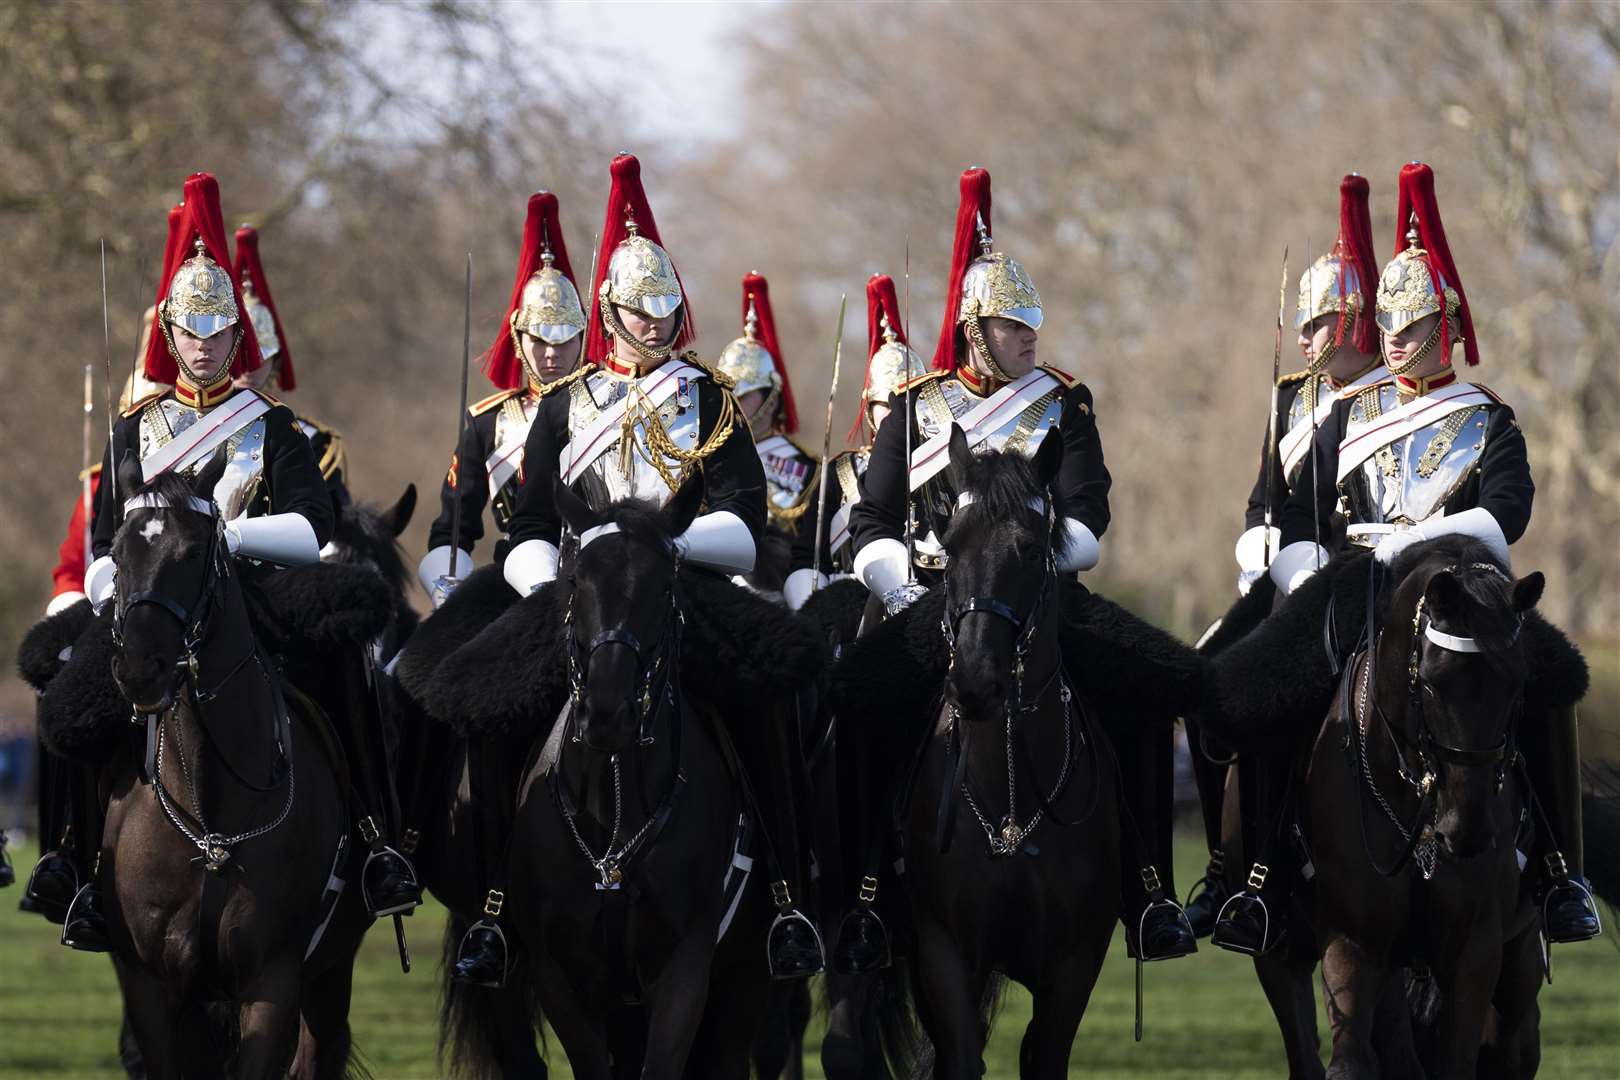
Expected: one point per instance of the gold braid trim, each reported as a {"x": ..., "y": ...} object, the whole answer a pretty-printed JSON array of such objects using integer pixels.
[
  {"x": 554, "y": 385},
  {"x": 660, "y": 448},
  {"x": 975, "y": 333}
]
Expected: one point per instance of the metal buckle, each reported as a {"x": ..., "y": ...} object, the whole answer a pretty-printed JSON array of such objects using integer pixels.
[
  {"x": 1150, "y": 879},
  {"x": 868, "y": 890},
  {"x": 494, "y": 902},
  {"x": 368, "y": 829},
  {"x": 1257, "y": 876},
  {"x": 1556, "y": 866},
  {"x": 780, "y": 895}
]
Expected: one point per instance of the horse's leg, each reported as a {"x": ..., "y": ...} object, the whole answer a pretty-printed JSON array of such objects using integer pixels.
[
  {"x": 1352, "y": 979},
  {"x": 674, "y": 1003},
  {"x": 1512, "y": 1046},
  {"x": 153, "y": 1016},
  {"x": 1285, "y": 976},
  {"x": 1466, "y": 1002},
  {"x": 1393, "y": 1034},
  {"x": 268, "y": 1019},
  {"x": 325, "y": 1007},
  {"x": 948, "y": 1002},
  {"x": 583, "y": 1034},
  {"x": 1058, "y": 1007}
]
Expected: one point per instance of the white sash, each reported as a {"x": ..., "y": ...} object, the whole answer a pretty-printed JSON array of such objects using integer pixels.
[
  {"x": 1291, "y": 448},
  {"x": 982, "y": 421},
  {"x": 207, "y": 434},
  {"x": 597, "y": 439},
  {"x": 839, "y": 533},
  {"x": 504, "y": 461},
  {"x": 1364, "y": 439}
]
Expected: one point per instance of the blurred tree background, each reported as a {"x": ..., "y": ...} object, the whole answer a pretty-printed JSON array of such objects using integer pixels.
[{"x": 1150, "y": 162}]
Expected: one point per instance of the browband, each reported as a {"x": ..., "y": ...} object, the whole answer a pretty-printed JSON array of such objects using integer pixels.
[
  {"x": 967, "y": 498},
  {"x": 153, "y": 501}
]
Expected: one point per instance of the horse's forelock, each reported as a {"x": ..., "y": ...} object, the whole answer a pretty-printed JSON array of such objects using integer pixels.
[
  {"x": 1002, "y": 485},
  {"x": 1484, "y": 583}
]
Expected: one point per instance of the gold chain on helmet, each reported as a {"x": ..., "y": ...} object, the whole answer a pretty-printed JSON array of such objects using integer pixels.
[
  {"x": 660, "y": 448},
  {"x": 611, "y": 320},
  {"x": 1423, "y": 350},
  {"x": 225, "y": 368},
  {"x": 975, "y": 333}
]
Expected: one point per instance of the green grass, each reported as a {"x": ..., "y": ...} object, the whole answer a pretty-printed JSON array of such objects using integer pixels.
[{"x": 1205, "y": 1015}]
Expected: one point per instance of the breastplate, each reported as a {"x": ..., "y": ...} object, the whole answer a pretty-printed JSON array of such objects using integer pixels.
[
  {"x": 241, "y": 490},
  {"x": 512, "y": 424},
  {"x": 625, "y": 472},
  {"x": 1411, "y": 479},
  {"x": 1299, "y": 412},
  {"x": 939, "y": 403}
]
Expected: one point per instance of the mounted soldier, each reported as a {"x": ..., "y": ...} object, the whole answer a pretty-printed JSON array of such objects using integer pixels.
[
  {"x": 759, "y": 376},
  {"x": 987, "y": 382},
  {"x": 1339, "y": 341},
  {"x": 889, "y": 363},
  {"x": 277, "y": 370},
  {"x": 642, "y": 418},
  {"x": 275, "y": 501},
  {"x": 541, "y": 340},
  {"x": 1415, "y": 456}
]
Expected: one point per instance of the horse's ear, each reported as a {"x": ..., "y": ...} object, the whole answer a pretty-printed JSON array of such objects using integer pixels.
[
  {"x": 129, "y": 475},
  {"x": 1048, "y": 459},
  {"x": 208, "y": 476},
  {"x": 1444, "y": 595},
  {"x": 961, "y": 457},
  {"x": 1527, "y": 591},
  {"x": 684, "y": 504},
  {"x": 399, "y": 516},
  {"x": 573, "y": 509}
]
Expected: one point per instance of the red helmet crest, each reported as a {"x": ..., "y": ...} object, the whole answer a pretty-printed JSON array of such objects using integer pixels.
[{"x": 250, "y": 274}]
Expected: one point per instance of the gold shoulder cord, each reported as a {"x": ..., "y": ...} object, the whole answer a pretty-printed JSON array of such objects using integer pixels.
[{"x": 660, "y": 448}]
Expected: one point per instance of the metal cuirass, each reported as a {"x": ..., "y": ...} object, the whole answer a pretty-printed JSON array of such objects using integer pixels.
[
  {"x": 1411, "y": 479},
  {"x": 512, "y": 425},
  {"x": 622, "y": 472},
  {"x": 241, "y": 491}
]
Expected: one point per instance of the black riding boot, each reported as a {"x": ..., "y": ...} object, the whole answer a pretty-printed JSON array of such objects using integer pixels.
[
  {"x": 1553, "y": 759},
  {"x": 1156, "y": 927},
  {"x": 84, "y": 927},
  {"x": 1210, "y": 767},
  {"x": 1255, "y": 919},
  {"x": 388, "y": 882},
  {"x": 482, "y": 958},
  {"x": 55, "y": 877},
  {"x": 768, "y": 745}
]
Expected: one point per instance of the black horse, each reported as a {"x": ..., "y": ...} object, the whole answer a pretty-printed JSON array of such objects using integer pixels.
[
  {"x": 628, "y": 824},
  {"x": 1012, "y": 867}
]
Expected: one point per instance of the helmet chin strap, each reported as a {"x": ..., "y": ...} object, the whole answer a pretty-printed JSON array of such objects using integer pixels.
[
  {"x": 974, "y": 327},
  {"x": 190, "y": 376},
  {"x": 1418, "y": 357},
  {"x": 654, "y": 353}
]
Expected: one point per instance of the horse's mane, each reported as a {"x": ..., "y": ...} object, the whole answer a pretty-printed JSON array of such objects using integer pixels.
[
  {"x": 1484, "y": 579},
  {"x": 1002, "y": 484},
  {"x": 171, "y": 487},
  {"x": 642, "y": 521},
  {"x": 363, "y": 529}
]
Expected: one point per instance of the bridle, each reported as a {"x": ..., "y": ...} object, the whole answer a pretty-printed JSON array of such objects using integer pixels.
[
  {"x": 195, "y": 619},
  {"x": 1010, "y": 837},
  {"x": 657, "y": 685},
  {"x": 1432, "y": 755}
]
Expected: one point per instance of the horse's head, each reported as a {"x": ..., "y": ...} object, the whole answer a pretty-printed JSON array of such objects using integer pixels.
[
  {"x": 1001, "y": 575},
  {"x": 622, "y": 617},
  {"x": 171, "y": 559},
  {"x": 368, "y": 536},
  {"x": 1451, "y": 653}
]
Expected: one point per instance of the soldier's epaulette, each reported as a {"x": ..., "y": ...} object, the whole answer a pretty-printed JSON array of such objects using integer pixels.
[
  {"x": 724, "y": 381},
  {"x": 329, "y": 432},
  {"x": 1292, "y": 377},
  {"x": 482, "y": 407},
  {"x": 567, "y": 380},
  {"x": 267, "y": 397},
  {"x": 1488, "y": 392},
  {"x": 1351, "y": 392},
  {"x": 1069, "y": 381},
  {"x": 144, "y": 402},
  {"x": 920, "y": 379}
]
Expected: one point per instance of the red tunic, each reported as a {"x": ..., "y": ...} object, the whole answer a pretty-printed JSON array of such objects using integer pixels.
[{"x": 69, "y": 573}]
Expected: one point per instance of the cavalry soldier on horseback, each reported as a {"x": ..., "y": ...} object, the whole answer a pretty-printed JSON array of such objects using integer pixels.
[
  {"x": 1338, "y": 339},
  {"x": 1413, "y": 457},
  {"x": 278, "y": 508},
  {"x": 540, "y": 341},
  {"x": 635, "y": 424},
  {"x": 754, "y": 365},
  {"x": 986, "y": 380},
  {"x": 277, "y": 369},
  {"x": 889, "y": 362}
]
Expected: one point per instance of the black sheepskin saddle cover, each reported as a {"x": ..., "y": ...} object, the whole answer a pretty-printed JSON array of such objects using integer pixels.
[
  {"x": 1278, "y": 678},
  {"x": 738, "y": 651},
  {"x": 1248, "y": 612},
  {"x": 836, "y": 609},
  {"x": 1116, "y": 661},
  {"x": 300, "y": 615}
]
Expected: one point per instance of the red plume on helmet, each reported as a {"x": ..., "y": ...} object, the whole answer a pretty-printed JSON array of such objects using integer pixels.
[
  {"x": 626, "y": 194},
  {"x": 880, "y": 301},
  {"x": 975, "y": 205},
  {"x": 1417, "y": 199},
  {"x": 754, "y": 285},
  {"x": 542, "y": 228},
  {"x": 1355, "y": 248},
  {"x": 200, "y": 218},
  {"x": 250, "y": 270}
]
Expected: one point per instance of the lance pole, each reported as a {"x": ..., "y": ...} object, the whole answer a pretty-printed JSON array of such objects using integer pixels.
[
  {"x": 1271, "y": 420},
  {"x": 106, "y": 343},
  {"x": 461, "y": 420},
  {"x": 911, "y": 524},
  {"x": 84, "y": 474}
]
